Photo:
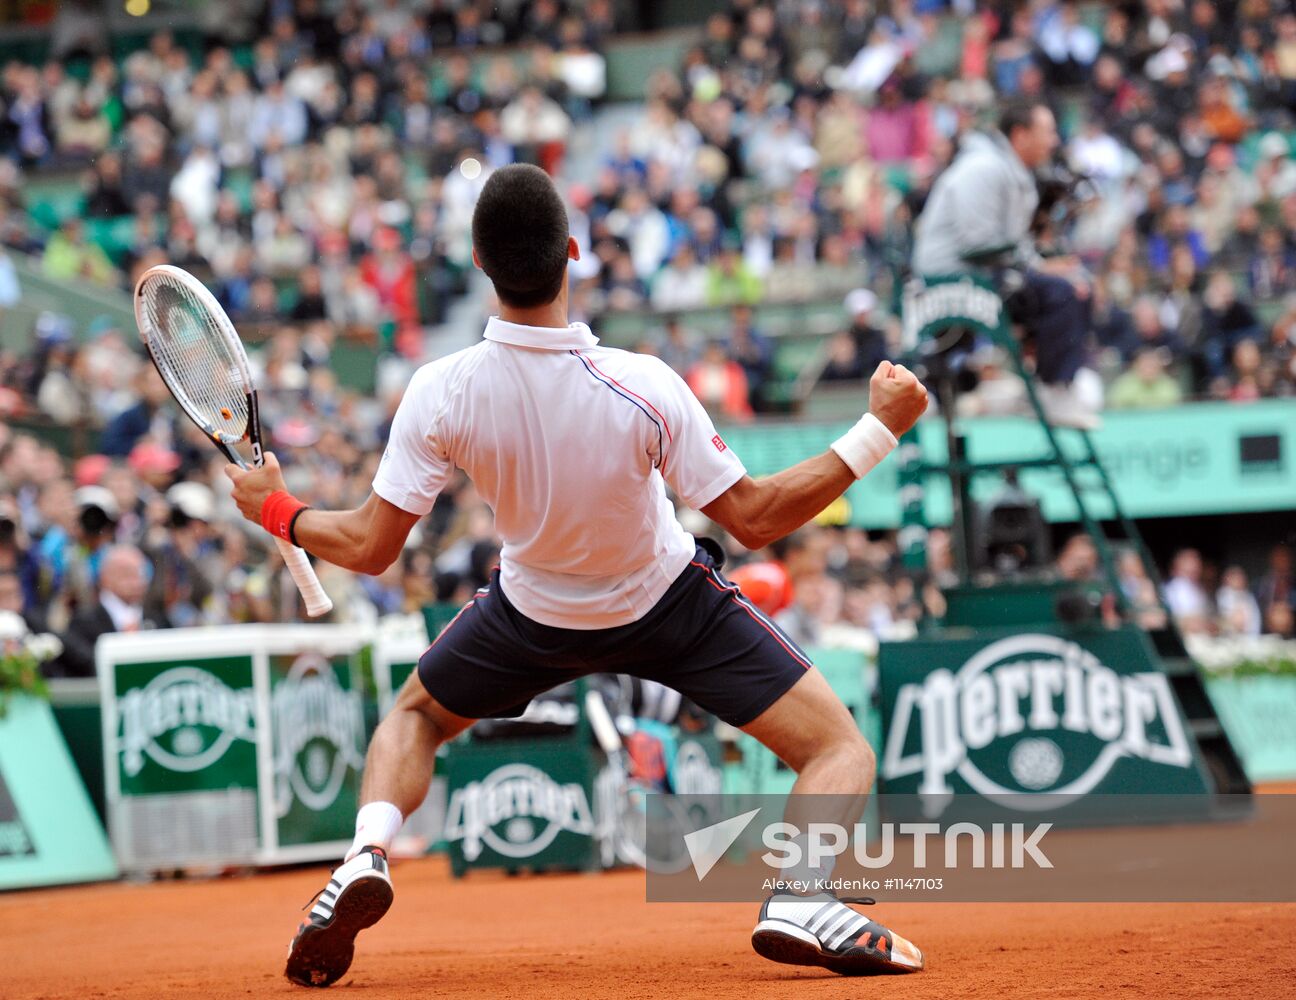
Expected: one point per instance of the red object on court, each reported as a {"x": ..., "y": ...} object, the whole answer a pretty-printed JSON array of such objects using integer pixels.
[{"x": 766, "y": 584}]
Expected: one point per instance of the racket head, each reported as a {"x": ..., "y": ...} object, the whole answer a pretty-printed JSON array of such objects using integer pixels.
[{"x": 197, "y": 351}]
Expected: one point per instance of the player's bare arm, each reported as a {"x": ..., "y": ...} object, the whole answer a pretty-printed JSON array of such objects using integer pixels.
[
  {"x": 367, "y": 539},
  {"x": 759, "y": 511}
]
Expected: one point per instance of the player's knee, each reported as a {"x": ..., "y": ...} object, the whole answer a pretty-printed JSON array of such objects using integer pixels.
[{"x": 855, "y": 756}]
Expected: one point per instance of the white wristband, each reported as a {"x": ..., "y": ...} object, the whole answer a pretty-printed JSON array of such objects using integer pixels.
[{"x": 864, "y": 445}]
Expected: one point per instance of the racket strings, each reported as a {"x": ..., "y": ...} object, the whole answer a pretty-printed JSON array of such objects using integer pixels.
[{"x": 194, "y": 358}]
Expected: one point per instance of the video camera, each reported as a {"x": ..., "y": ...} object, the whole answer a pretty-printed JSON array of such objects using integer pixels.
[{"x": 1062, "y": 192}]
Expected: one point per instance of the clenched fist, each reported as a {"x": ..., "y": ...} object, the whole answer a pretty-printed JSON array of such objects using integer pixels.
[{"x": 896, "y": 397}]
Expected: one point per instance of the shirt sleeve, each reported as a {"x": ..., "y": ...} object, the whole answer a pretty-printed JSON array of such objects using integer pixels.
[
  {"x": 414, "y": 467},
  {"x": 697, "y": 463}
]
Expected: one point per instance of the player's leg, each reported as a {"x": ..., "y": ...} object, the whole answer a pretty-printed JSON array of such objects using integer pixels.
[
  {"x": 812, "y": 732},
  {"x": 398, "y": 766},
  {"x": 715, "y": 647},
  {"x": 398, "y": 771}
]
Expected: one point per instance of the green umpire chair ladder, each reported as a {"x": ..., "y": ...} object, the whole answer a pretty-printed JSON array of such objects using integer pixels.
[{"x": 943, "y": 318}]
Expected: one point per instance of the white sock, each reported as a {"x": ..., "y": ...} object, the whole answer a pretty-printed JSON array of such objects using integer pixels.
[
  {"x": 809, "y": 875},
  {"x": 377, "y": 824}
]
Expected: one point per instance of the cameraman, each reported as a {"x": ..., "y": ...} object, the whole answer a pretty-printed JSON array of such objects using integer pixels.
[{"x": 981, "y": 209}]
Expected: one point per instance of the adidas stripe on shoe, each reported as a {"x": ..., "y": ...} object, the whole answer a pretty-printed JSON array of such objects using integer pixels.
[
  {"x": 822, "y": 930},
  {"x": 356, "y": 897}
]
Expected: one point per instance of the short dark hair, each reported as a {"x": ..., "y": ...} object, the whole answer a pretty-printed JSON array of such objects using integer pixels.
[
  {"x": 519, "y": 230},
  {"x": 1018, "y": 114}
]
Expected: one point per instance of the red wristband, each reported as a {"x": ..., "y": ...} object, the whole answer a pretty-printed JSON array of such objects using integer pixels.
[{"x": 278, "y": 511}]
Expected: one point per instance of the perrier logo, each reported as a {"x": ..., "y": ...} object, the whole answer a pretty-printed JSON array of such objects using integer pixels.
[
  {"x": 517, "y": 810},
  {"x": 318, "y": 733},
  {"x": 184, "y": 719},
  {"x": 928, "y": 308},
  {"x": 1031, "y": 714}
]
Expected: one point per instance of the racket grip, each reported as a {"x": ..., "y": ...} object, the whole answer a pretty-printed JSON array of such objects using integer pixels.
[{"x": 303, "y": 574}]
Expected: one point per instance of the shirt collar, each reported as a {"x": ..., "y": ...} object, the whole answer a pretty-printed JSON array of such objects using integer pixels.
[
  {"x": 123, "y": 615},
  {"x": 551, "y": 338}
]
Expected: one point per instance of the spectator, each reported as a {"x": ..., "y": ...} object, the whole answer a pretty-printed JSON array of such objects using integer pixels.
[
  {"x": 538, "y": 127},
  {"x": 720, "y": 384},
  {"x": 753, "y": 351},
  {"x": 1185, "y": 594},
  {"x": 1271, "y": 270},
  {"x": 896, "y": 130},
  {"x": 1245, "y": 379},
  {"x": 1146, "y": 386},
  {"x": 277, "y": 115},
  {"x": 120, "y": 608},
  {"x": 730, "y": 281},
  {"x": 177, "y": 552},
  {"x": 85, "y": 132},
  {"x": 105, "y": 195},
  {"x": 1277, "y": 588},
  {"x": 70, "y": 257},
  {"x": 681, "y": 284},
  {"x": 1069, "y": 46},
  {"x": 677, "y": 348},
  {"x": 1239, "y": 613},
  {"x": 1151, "y": 333},
  {"x": 1226, "y": 322},
  {"x": 870, "y": 339},
  {"x": 844, "y": 363},
  {"x": 1276, "y": 171},
  {"x": 13, "y": 600},
  {"x": 152, "y": 414}
]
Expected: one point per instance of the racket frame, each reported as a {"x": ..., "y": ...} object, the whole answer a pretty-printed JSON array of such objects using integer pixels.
[
  {"x": 223, "y": 440},
  {"x": 317, "y": 601}
]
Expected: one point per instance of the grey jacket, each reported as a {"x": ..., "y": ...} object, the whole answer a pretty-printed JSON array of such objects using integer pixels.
[{"x": 985, "y": 198}]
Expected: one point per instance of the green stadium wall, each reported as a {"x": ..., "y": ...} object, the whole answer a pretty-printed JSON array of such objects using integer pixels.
[{"x": 1197, "y": 459}]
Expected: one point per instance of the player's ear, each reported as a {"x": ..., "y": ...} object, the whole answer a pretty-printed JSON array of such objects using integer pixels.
[
  {"x": 477, "y": 260},
  {"x": 573, "y": 248}
]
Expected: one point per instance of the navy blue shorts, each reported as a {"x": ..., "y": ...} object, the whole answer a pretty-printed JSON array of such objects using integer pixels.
[{"x": 703, "y": 638}]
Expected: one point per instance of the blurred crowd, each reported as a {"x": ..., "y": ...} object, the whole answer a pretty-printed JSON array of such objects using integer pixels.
[
  {"x": 789, "y": 155},
  {"x": 1205, "y": 597},
  {"x": 321, "y": 179},
  {"x": 327, "y": 170}
]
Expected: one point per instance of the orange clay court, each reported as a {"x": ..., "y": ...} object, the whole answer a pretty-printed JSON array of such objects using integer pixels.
[{"x": 593, "y": 936}]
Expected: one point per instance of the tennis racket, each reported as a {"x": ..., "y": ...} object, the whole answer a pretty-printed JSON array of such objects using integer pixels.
[{"x": 197, "y": 351}]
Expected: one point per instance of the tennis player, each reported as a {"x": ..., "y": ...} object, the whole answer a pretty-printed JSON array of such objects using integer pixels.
[{"x": 573, "y": 445}]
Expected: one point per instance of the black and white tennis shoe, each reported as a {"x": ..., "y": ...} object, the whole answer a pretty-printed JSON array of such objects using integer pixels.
[
  {"x": 356, "y": 897},
  {"x": 822, "y": 930}
]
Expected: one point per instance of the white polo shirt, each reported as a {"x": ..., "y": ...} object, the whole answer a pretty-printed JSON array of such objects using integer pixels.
[{"x": 571, "y": 445}]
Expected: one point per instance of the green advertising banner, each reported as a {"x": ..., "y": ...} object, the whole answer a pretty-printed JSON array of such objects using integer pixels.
[
  {"x": 186, "y": 726},
  {"x": 49, "y": 833},
  {"x": 1202, "y": 458},
  {"x": 558, "y": 802},
  {"x": 238, "y": 745},
  {"x": 319, "y": 744},
  {"x": 1010, "y": 713},
  {"x": 181, "y": 726},
  {"x": 521, "y": 804}
]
